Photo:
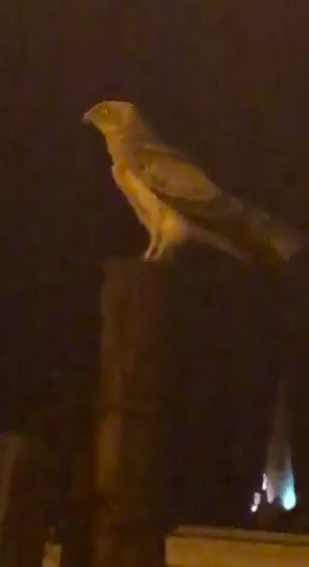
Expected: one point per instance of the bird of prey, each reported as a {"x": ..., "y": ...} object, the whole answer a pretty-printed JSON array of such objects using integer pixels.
[{"x": 174, "y": 198}]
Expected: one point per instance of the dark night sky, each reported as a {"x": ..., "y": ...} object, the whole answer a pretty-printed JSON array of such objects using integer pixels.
[{"x": 228, "y": 81}]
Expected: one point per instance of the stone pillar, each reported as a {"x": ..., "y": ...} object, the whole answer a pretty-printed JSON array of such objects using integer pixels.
[{"x": 129, "y": 520}]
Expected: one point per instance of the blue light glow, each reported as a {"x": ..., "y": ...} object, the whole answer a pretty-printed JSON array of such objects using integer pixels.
[{"x": 288, "y": 499}]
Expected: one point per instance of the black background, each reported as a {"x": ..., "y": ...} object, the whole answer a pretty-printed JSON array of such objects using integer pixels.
[{"x": 227, "y": 81}]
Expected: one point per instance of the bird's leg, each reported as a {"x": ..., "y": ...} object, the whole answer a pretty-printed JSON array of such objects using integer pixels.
[
  {"x": 154, "y": 232},
  {"x": 152, "y": 245},
  {"x": 146, "y": 206},
  {"x": 173, "y": 231},
  {"x": 160, "y": 248}
]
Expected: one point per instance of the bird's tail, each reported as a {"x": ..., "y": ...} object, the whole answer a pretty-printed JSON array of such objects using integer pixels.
[{"x": 215, "y": 240}]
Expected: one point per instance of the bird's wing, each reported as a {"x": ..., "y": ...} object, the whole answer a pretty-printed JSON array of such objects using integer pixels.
[
  {"x": 187, "y": 189},
  {"x": 173, "y": 177}
]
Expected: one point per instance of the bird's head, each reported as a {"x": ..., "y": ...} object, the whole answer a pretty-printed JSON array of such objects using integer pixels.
[{"x": 110, "y": 115}]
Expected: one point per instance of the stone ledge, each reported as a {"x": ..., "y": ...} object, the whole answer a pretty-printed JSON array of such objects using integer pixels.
[{"x": 191, "y": 546}]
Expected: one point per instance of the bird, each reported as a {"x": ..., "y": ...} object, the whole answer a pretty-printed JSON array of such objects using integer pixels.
[{"x": 175, "y": 199}]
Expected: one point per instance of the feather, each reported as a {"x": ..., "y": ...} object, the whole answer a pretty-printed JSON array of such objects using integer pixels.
[{"x": 175, "y": 199}]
